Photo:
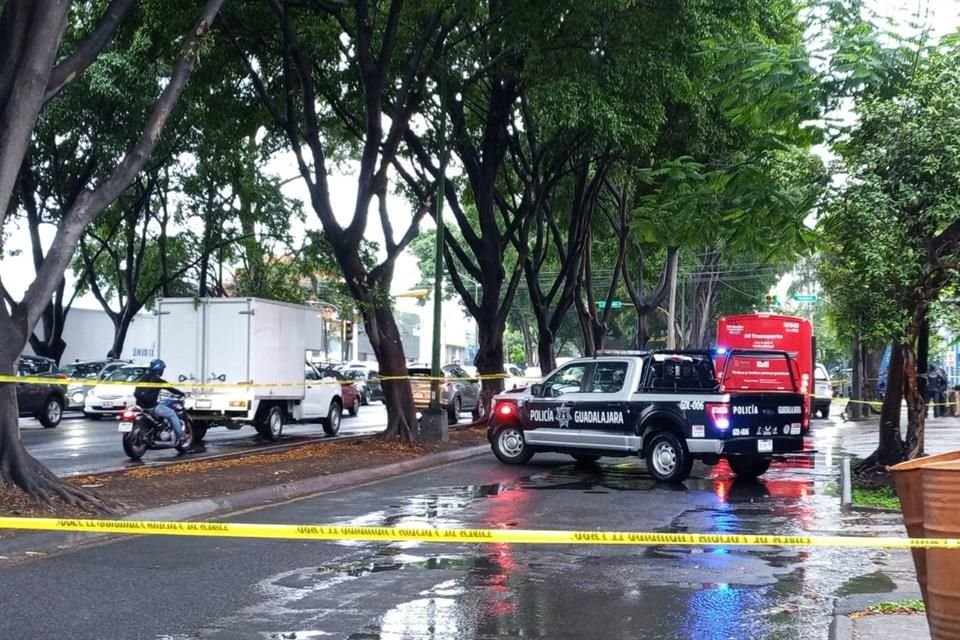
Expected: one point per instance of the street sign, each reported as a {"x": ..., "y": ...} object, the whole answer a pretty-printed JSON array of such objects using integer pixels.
[
  {"x": 614, "y": 304},
  {"x": 805, "y": 297}
]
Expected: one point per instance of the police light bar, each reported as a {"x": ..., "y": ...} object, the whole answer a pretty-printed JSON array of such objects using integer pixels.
[{"x": 621, "y": 352}]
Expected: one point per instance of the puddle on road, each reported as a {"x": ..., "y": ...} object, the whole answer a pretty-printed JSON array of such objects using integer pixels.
[{"x": 876, "y": 582}]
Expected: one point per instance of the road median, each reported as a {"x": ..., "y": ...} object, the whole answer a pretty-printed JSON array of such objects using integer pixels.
[{"x": 204, "y": 487}]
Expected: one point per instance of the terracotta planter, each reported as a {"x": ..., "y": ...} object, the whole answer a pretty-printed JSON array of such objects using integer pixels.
[
  {"x": 941, "y": 519},
  {"x": 909, "y": 478}
]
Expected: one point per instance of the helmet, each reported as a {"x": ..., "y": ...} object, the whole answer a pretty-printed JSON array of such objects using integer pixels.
[{"x": 157, "y": 366}]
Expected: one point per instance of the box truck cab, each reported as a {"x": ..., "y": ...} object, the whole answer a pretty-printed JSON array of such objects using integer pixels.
[{"x": 245, "y": 361}]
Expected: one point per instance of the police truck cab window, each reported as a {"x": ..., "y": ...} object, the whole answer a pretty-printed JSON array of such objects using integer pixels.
[
  {"x": 608, "y": 377},
  {"x": 567, "y": 380}
]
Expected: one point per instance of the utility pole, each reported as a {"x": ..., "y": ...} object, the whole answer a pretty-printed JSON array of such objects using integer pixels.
[
  {"x": 672, "y": 303},
  {"x": 433, "y": 425}
]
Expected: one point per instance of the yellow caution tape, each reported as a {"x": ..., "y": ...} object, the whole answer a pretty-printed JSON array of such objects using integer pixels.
[
  {"x": 513, "y": 536},
  {"x": 198, "y": 384}
]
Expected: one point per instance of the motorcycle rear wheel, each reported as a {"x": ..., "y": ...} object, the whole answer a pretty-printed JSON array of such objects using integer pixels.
[
  {"x": 134, "y": 444},
  {"x": 187, "y": 440}
]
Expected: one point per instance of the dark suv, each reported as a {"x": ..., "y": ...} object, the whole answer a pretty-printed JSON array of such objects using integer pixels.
[{"x": 45, "y": 402}]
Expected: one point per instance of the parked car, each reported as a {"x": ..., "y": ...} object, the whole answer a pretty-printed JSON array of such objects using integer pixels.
[
  {"x": 348, "y": 390},
  {"x": 366, "y": 382},
  {"x": 45, "y": 402},
  {"x": 822, "y": 391},
  {"x": 113, "y": 398},
  {"x": 458, "y": 392},
  {"x": 514, "y": 376},
  {"x": 86, "y": 370}
]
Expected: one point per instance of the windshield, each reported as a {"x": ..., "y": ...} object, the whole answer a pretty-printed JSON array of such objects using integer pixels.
[
  {"x": 127, "y": 374},
  {"x": 85, "y": 370}
]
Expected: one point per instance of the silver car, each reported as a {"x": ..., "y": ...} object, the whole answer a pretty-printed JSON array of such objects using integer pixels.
[
  {"x": 86, "y": 370},
  {"x": 458, "y": 392}
]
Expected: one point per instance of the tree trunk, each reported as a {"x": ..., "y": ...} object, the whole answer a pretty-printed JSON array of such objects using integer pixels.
[
  {"x": 121, "y": 325},
  {"x": 915, "y": 390},
  {"x": 546, "y": 355},
  {"x": 490, "y": 356},
  {"x": 17, "y": 467},
  {"x": 871, "y": 375},
  {"x": 890, "y": 449},
  {"x": 529, "y": 351},
  {"x": 387, "y": 345}
]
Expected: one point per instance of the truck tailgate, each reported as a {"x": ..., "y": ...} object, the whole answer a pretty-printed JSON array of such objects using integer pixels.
[{"x": 769, "y": 414}]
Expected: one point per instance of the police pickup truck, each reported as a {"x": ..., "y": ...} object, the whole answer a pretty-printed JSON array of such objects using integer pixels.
[{"x": 670, "y": 407}]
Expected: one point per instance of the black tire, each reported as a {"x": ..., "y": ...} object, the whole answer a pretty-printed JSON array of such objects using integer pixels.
[
  {"x": 667, "y": 458},
  {"x": 825, "y": 412},
  {"x": 51, "y": 413},
  {"x": 271, "y": 426},
  {"x": 365, "y": 397},
  {"x": 187, "y": 437},
  {"x": 479, "y": 411},
  {"x": 749, "y": 467},
  {"x": 355, "y": 409},
  {"x": 510, "y": 447},
  {"x": 199, "y": 431},
  {"x": 331, "y": 424},
  {"x": 133, "y": 444},
  {"x": 583, "y": 458},
  {"x": 453, "y": 410}
]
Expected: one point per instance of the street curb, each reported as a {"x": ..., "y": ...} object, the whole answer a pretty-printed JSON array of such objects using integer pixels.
[
  {"x": 841, "y": 628},
  {"x": 48, "y": 543}
]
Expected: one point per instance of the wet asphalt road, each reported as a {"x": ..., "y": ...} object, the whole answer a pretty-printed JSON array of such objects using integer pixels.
[
  {"x": 187, "y": 589},
  {"x": 79, "y": 445}
]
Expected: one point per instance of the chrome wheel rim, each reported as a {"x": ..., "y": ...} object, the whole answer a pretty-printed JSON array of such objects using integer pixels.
[
  {"x": 54, "y": 412},
  {"x": 664, "y": 458},
  {"x": 511, "y": 443},
  {"x": 276, "y": 423},
  {"x": 334, "y": 420}
]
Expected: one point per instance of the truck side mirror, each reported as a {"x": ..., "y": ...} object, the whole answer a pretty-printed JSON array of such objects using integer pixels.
[{"x": 536, "y": 390}]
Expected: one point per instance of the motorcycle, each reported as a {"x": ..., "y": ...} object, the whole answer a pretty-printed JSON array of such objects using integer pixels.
[{"x": 143, "y": 430}]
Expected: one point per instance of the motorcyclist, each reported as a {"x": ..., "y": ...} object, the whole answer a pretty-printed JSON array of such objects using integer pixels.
[{"x": 149, "y": 397}]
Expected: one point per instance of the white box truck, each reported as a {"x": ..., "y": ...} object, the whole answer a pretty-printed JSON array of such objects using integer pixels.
[{"x": 212, "y": 343}]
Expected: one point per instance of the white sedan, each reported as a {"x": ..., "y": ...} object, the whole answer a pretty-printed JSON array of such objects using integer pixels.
[{"x": 112, "y": 397}]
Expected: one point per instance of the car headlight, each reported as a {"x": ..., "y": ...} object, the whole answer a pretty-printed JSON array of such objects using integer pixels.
[{"x": 77, "y": 396}]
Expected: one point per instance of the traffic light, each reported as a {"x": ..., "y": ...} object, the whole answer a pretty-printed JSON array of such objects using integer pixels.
[{"x": 348, "y": 330}]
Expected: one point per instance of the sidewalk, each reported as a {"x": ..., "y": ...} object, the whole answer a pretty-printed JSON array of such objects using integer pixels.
[{"x": 860, "y": 439}]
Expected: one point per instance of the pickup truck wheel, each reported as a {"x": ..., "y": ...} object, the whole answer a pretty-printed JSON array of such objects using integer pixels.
[
  {"x": 199, "y": 431},
  {"x": 51, "y": 413},
  {"x": 749, "y": 467},
  {"x": 331, "y": 424},
  {"x": 667, "y": 458},
  {"x": 271, "y": 426},
  {"x": 510, "y": 447},
  {"x": 453, "y": 411}
]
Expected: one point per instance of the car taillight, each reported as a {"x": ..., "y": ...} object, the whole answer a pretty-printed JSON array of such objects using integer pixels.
[{"x": 720, "y": 414}]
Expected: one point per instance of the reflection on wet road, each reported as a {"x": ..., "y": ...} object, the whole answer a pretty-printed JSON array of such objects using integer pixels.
[{"x": 392, "y": 591}]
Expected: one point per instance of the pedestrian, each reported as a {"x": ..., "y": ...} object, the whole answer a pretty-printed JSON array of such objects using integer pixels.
[
  {"x": 955, "y": 402},
  {"x": 938, "y": 384}
]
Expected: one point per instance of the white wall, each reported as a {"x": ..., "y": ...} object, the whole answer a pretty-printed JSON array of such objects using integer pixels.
[{"x": 89, "y": 336}]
